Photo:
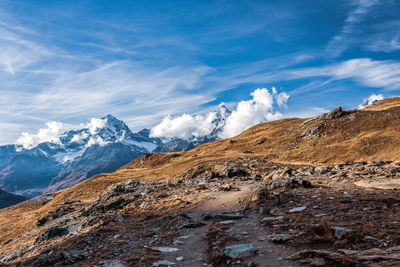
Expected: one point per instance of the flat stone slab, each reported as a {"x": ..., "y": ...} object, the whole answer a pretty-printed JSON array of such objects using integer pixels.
[
  {"x": 165, "y": 249},
  {"x": 240, "y": 250}
]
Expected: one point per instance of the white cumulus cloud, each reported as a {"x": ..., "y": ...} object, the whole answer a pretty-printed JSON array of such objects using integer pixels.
[
  {"x": 247, "y": 113},
  {"x": 79, "y": 137},
  {"x": 55, "y": 129},
  {"x": 96, "y": 141},
  {"x": 254, "y": 111},
  {"x": 185, "y": 126},
  {"x": 95, "y": 124},
  {"x": 49, "y": 134},
  {"x": 370, "y": 101}
]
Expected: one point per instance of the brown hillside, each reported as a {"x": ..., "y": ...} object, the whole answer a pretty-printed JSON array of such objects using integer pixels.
[{"x": 357, "y": 135}]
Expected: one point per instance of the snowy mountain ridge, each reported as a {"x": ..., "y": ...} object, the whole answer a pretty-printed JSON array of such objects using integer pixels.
[{"x": 104, "y": 145}]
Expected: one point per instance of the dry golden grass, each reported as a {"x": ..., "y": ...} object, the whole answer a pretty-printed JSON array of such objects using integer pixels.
[
  {"x": 386, "y": 104},
  {"x": 364, "y": 135}
]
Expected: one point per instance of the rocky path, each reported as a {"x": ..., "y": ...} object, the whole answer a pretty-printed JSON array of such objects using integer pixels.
[
  {"x": 193, "y": 248},
  {"x": 347, "y": 212}
]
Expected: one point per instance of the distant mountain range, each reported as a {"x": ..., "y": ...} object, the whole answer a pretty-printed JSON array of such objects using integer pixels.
[{"x": 80, "y": 154}]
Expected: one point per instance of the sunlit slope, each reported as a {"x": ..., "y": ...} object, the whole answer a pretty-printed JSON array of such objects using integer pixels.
[{"x": 360, "y": 135}]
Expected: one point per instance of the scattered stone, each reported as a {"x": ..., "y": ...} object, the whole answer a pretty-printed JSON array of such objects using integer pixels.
[
  {"x": 56, "y": 231},
  {"x": 180, "y": 258},
  {"x": 321, "y": 170},
  {"x": 166, "y": 249},
  {"x": 283, "y": 179},
  {"x": 315, "y": 252},
  {"x": 306, "y": 184},
  {"x": 214, "y": 175},
  {"x": 312, "y": 131},
  {"x": 269, "y": 219},
  {"x": 68, "y": 259},
  {"x": 227, "y": 222},
  {"x": 191, "y": 224},
  {"x": 334, "y": 114},
  {"x": 119, "y": 218},
  {"x": 7, "y": 242},
  {"x": 356, "y": 257},
  {"x": 241, "y": 250},
  {"x": 170, "y": 184},
  {"x": 114, "y": 263},
  {"x": 340, "y": 231},
  {"x": 225, "y": 187},
  {"x": 262, "y": 141},
  {"x": 42, "y": 221},
  {"x": 277, "y": 212},
  {"x": 298, "y": 209},
  {"x": 345, "y": 194},
  {"x": 369, "y": 238},
  {"x": 264, "y": 210},
  {"x": 178, "y": 242},
  {"x": 280, "y": 238},
  {"x": 236, "y": 172},
  {"x": 318, "y": 262},
  {"x": 164, "y": 263},
  {"x": 228, "y": 217}
]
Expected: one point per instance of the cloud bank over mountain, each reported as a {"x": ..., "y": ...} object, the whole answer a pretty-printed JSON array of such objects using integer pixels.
[
  {"x": 55, "y": 129},
  {"x": 247, "y": 113},
  {"x": 49, "y": 134},
  {"x": 264, "y": 105}
]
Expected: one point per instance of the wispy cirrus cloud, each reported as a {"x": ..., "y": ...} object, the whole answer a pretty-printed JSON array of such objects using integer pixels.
[
  {"x": 345, "y": 38},
  {"x": 385, "y": 44},
  {"x": 386, "y": 37},
  {"x": 117, "y": 87},
  {"x": 366, "y": 71},
  {"x": 142, "y": 62}
]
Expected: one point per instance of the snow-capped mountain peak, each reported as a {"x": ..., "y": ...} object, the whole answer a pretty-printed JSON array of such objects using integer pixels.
[
  {"x": 98, "y": 131},
  {"x": 102, "y": 145},
  {"x": 223, "y": 111},
  {"x": 220, "y": 116}
]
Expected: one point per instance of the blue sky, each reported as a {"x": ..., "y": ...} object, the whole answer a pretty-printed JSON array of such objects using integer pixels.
[{"x": 69, "y": 61}]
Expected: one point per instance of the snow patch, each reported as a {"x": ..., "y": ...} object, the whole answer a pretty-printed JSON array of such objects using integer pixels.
[
  {"x": 69, "y": 155},
  {"x": 147, "y": 145}
]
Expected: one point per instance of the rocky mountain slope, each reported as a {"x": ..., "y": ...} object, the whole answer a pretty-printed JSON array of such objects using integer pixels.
[{"x": 321, "y": 191}]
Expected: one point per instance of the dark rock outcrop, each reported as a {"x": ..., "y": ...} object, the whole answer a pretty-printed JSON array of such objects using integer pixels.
[{"x": 51, "y": 233}]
